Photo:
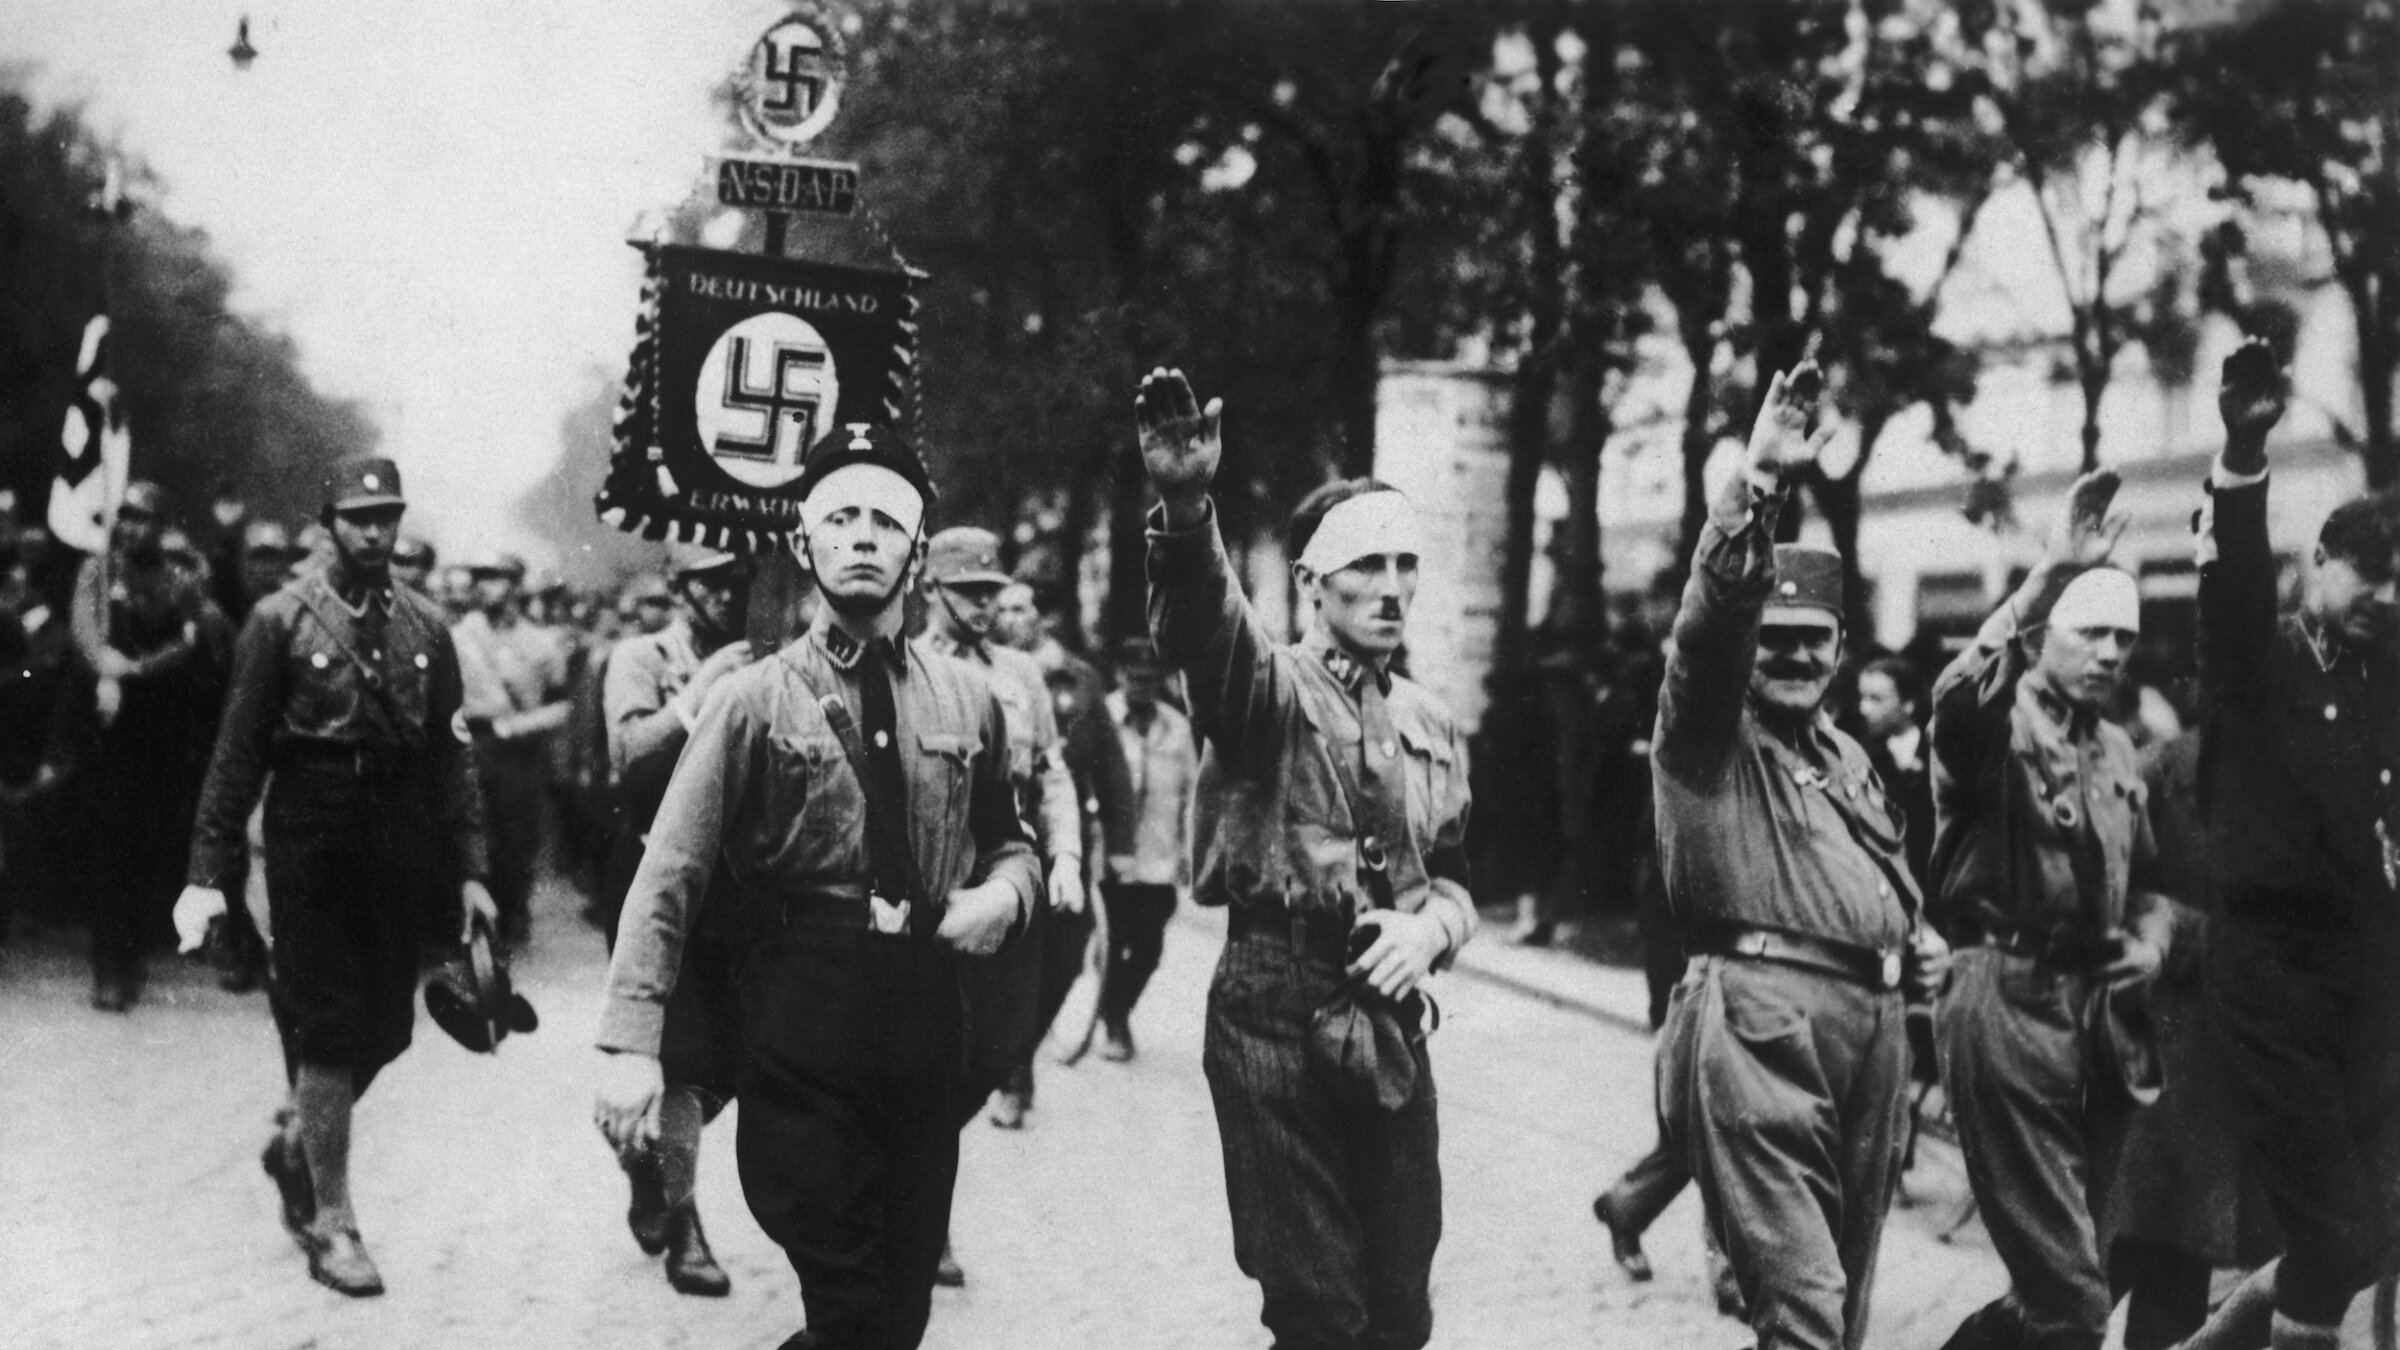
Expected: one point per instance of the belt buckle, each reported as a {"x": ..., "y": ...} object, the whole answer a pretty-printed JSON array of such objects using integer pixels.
[
  {"x": 1891, "y": 968},
  {"x": 1751, "y": 944},
  {"x": 1371, "y": 855},
  {"x": 885, "y": 916}
]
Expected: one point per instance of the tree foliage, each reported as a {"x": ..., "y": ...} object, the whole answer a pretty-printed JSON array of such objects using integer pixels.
[{"x": 214, "y": 398}]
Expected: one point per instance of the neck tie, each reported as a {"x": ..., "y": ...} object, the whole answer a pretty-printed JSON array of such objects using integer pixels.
[
  {"x": 885, "y": 784},
  {"x": 1383, "y": 795}
]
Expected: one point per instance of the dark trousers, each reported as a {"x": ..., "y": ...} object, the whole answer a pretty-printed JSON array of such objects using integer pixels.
[
  {"x": 2040, "y": 1135},
  {"x": 343, "y": 861},
  {"x": 2165, "y": 1290},
  {"x": 846, "y": 1145},
  {"x": 143, "y": 826},
  {"x": 510, "y": 776},
  {"x": 1336, "y": 1200},
  {"x": 1815, "y": 1070},
  {"x": 1647, "y": 1188},
  {"x": 2306, "y": 1025},
  {"x": 1137, "y": 934}
]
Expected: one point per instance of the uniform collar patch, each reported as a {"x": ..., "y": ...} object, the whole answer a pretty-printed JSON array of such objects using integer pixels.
[
  {"x": 1351, "y": 672},
  {"x": 846, "y": 651}
]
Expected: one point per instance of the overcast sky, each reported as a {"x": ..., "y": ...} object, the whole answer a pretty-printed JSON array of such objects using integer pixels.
[{"x": 430, "y": 196}]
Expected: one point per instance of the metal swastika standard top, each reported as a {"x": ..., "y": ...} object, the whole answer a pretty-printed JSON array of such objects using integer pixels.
[
  {"x": 1271, "y": 823},
  {"x": 1752, "y": 829},
  {"x": 2044, "y": 818},
  {"x": 764, "y": 790},
  {"x": 314, "y": 671}
]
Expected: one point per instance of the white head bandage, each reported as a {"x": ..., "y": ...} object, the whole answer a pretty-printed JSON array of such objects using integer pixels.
[
  {"x": 1369, "y": 524},
  {"x": 2100, "y": 598},
  {"x": 870, "y": 487}
]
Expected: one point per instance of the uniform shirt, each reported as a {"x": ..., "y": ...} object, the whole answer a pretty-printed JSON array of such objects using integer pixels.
[
  {"x": 2302, "y": 741},
  {"x": 308, "y": 675},
  {"x": 645, "y": 730},
  {"x": 1164, "y": 768},
  {"x": 1272, "y": 825},
  {"x": 1753, "y": 829},
  {"x": 2043, "y": 817},
  {"x": 510, "y": 669},
  {"x": 1037, "y": 764},
  {"x": 764, "y": 786}
]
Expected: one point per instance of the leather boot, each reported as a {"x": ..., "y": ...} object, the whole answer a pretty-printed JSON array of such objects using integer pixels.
[
  {"x": 1624, "y": 1241},
  {"x": 946, "y": 1272},
  {"x": 691, "y": 1267},
  {"x": 648, "y": 1214},
  {"x": 2243, "y": 1321},
  {"x": 2286, "y": 1334},
  {"x": 289, "y": 1170},
  {"x": 339, "y": 1261}
]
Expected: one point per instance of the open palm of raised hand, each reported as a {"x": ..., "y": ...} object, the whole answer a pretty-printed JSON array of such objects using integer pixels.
[
  {"x": 2087, "y": 530},
  {"x": 1181, "y": 441},
  {"x": 1780, "y": 439},
  {"x": 2253, "y": 391}
]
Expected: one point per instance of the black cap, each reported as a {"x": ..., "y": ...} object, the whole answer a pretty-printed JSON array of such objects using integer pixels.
[
  {"x": 364, "y": 484},
  {"x": 865, "y": 443}
]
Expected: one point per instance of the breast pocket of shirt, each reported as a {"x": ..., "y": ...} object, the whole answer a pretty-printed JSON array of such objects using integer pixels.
[
  {"x": 813, "y": 787},
  {"x": 944, "y": 771},
  {"x": 323, "y": 687}
]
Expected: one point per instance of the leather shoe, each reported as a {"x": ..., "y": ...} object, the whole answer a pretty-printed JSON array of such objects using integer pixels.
[
  {"x": 1116, "y": 1042},
  {"x": 289, "y": 1171},
  {"x": 112, "y": 993},
  {"x": 648, "y": 1215},
  {"x": 339, "y": 1261},
  {"x": 691, "y": 1267},
  {"x": 946, "y": 1272},
  {"x": 1623, "y": 1243}
]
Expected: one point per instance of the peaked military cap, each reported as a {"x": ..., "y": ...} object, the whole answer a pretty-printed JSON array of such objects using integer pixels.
[
  {"x": 364, "y": 483},
  {"x": 1807, "y": 576},
  {"x": 964, "y": 555},
  {"x": 864, "y": 443}
]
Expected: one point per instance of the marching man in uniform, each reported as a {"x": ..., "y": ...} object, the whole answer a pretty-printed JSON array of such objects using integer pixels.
[
  {"x": 855, "y": 788},
  {"x": 1784, "y": 1058},
  {"x": 1331, "y": 816},
  {"x": 2040, "y": 856},
  {"x": 346, "y": 688},
  {"x": 650, "y": 701}
]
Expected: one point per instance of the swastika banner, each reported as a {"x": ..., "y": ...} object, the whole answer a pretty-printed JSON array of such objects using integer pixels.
[{"x": 741, "y": 362}]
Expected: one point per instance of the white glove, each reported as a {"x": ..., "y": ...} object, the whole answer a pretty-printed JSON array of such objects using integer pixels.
[{"x": 195, "y": 909}]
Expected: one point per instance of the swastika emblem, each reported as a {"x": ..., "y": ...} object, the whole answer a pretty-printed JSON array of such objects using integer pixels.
[
  {"x": 792, "y": 85},
  {"x": 765, "y": 389}
]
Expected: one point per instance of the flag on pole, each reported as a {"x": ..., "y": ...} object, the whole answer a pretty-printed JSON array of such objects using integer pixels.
[{"x": 98, "y": 449}]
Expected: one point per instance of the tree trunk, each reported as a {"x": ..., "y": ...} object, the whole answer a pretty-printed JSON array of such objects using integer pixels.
[
  {"x": 1356, "y": 372},
  {"x": 1699, "y": 344},
  {"x": 1127, "y": 612},
  {"x": 2095, "y": 384},
  {"x": 2375, "y": 396}
]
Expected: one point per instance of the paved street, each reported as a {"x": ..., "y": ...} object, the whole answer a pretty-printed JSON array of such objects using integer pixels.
[{"x": 138, "y": 1216}]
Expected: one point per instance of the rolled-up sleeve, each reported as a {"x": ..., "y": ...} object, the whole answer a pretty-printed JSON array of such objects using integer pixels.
[{"x": 1716, "y": 634}]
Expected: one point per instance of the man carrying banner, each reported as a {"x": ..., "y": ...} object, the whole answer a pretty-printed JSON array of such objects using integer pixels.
[
  {"x": 346, "y": 688},
  {"x": 1331, "y": 816},
  {"x": 856, "y": 788},
  {"x": 154, "y": 644},
  {"x": 654, "y": 685},
  {"x": 1784, "y": 1058}
]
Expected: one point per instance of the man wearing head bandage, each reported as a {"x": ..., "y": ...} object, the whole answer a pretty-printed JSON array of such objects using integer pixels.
[
  {"x": 1331, "y": 818},
  {"x": 1783, "y": 1061},
  {"x": 2040, "y": 874},
  {"x": 854, "y": 790}
]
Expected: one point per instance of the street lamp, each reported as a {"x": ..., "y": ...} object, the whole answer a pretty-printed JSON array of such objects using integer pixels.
[{"x": 241, "y": 51}]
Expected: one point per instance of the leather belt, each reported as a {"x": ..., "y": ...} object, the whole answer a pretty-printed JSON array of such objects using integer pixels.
[
  {"x": 840, "y": 904},
  {"x": 1316, "y": 932},
  {"x": 1875, "y": 968},
  {"x": 351, "y": 759}
]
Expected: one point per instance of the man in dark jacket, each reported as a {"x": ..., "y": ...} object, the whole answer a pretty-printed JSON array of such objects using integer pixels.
[{"x": 2303, "y": 740}]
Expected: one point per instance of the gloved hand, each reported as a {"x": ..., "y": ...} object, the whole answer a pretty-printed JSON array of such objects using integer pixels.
[{"x": 195, "y": 909}]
